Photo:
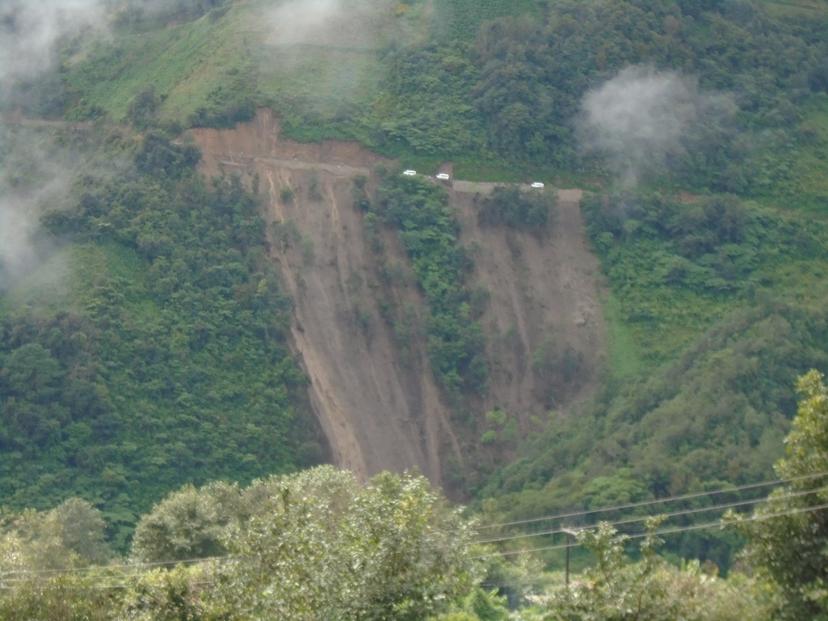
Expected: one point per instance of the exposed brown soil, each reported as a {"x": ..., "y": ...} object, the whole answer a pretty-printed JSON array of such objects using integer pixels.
[
  {"x": 544, "y": 327},
  {"x": 372, "y": 388},
  {"x": 375, "y": 397},
  {"x": 249, "y": 143}
]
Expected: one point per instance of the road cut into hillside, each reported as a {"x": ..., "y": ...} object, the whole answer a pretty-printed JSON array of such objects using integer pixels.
[{"x": 359, "y": 317}]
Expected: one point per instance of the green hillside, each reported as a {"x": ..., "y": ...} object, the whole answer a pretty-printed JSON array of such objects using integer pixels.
[
  {"x": 504, "y": 102},
  {"x": 150, "y": 349},
  {"x": 160, "y": 359},
  {"x": 198, "y": 65}
]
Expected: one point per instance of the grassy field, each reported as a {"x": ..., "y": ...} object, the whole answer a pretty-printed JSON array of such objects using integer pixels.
[
  {"x": 795, "y": 8},
  {"x": 190, "y": 66},
  {"x": 327, "y": 82}
]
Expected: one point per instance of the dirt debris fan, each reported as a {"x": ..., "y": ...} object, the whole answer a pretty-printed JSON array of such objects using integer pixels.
[{"x": 375, "y": 395}]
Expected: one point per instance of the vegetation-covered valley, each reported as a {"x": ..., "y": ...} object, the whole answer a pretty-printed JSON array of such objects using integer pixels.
[{"x": 215, "y": 276}]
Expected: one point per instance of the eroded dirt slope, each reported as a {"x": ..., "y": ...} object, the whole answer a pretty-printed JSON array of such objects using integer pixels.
[
  {"x": 375, "y": 397},
  {"x": 358, "y": 315},
  {"x": 543, "y": 323}
]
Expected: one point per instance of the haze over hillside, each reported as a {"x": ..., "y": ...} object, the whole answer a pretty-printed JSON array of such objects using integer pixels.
[{"x": 555, "y": 256}]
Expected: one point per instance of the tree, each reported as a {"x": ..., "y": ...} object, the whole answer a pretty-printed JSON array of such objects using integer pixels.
[
  {"x": 479, "y": 605},
  {"x": 189, "y": 523},
  {"x": 77, "y": 597},
  {"x": 143, "y": 108},
  {"x": 31, "y": 371},
  {"x": 81, "y": 528},
  {"x": 36, "y": 548},
  {"x": 320, "y": 546},
  {"x": 650, "y": 589},
  {"x": 70, "y": 535},
  {"x": 526, "y": 211},
  {"x": 177, "y": 594},
  {"x": 793, "y": 549}
]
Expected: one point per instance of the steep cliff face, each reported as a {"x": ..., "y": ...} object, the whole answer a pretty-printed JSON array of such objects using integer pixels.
[
  {"x": 375, "y": 397},
  {"x": 371, "y": 385},
  {"x": 544, "y": 327}
]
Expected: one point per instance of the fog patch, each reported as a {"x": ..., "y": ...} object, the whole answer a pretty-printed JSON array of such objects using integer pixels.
[
  {"x": 643, "y": 120},
  {"x": 31, "y": 30},
  {"x": 24, "y": 246},
  {"x": 325, "y": 53},
  {"x": 353, "y": 24},
  {"x": 34, "y": 174}
]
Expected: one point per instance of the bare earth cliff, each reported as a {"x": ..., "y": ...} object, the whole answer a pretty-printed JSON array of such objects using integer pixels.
[{"x": 373, "y": 392}]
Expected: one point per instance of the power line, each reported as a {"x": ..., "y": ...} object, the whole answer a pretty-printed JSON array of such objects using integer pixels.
[
  {"x": 145, "y": 565},
  {"x": 646, "y": 503},
  {"x": 669, "y": 531},
  {"x": 719, "y": 507}
]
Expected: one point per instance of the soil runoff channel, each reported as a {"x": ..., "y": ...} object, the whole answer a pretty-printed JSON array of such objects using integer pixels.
[{"x": 359, "y": 317}]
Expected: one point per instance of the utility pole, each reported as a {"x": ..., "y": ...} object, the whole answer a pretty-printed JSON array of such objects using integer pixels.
[{"x": 569, "y": 533}]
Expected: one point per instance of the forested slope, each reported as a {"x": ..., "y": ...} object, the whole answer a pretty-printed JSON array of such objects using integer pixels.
[
  {"x": 168, "y": 359},
  {"x": 162, "y": 358},
  {"x": 509, "y": 94}
]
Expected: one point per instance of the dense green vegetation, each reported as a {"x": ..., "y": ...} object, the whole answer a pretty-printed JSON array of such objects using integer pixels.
[
  {"x": 315, "y": 545},
  {"x": 318, "y": 545},
  {"x": 169, "y": 363},
  {"x": 510, "y": 206},
  {"x": 429, "y": 233},
  {"x": 713, "y": 418},
  {"x": 790, "y": 549},
  {"x": 675, "y": 266},
  {"x": 162, "y": 361},
  {"x": 498, "y": 85},
  {"x": 529, "y": 75}
]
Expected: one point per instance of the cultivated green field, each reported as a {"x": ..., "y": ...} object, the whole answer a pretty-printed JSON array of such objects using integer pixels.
[{"x": 205, "y": 63}]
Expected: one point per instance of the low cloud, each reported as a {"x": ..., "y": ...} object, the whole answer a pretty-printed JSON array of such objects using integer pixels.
[
  {"x": 305, "y": 21},
  {"x": 642, "y": 119},
  {"x": 21, "y": 250},
  {"x": 17, "y": 250},
  {"x": 23, "y": 245},
  {"x": 353, "y": 23},
  {"x": 32, "y": 173},
  {"x": 30, "y": 31}
]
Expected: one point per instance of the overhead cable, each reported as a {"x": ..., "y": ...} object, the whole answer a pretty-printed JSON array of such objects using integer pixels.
[
  {"x": 729, "y": 505},
  {"x": 647, "y": 503},
  {"x": 668, "y": 531}
]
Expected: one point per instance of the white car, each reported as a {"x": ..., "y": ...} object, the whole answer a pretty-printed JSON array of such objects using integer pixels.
[
  {"x": 443, "y": 176},
  {"x": 410, "y": 173},
  {"x": 537, "y": 185}
]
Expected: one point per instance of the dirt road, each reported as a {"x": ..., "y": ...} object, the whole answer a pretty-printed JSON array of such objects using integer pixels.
[
  {"x": 373, "y": 393},
  {"x": 359, "y": 316}
]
